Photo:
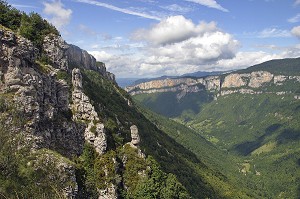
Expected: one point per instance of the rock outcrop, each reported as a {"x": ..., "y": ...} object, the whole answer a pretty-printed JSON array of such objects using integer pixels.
[
  {"x": 135, "y": 137},
  {"x": 55, "y": 49},
  {"x": 235, "y": 80},
  {"x": 78, "y": 57},
  {"x": 135, "y": 140},
  {"x": 259, "y": 78},
  {"x": 83, "y": 110}
]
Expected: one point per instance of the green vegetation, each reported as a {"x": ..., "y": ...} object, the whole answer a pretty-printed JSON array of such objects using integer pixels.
[
  {"x": 32, "y": 26},
  {"x": 258, "y": 134},
  {"x": 35, "y": 28},
  {"x": 21, "y": 170},
  {"x": 168, "y": 105},
  {"x": 109, "y": 102},
  {"x": 9, "y": 16},
  {"x": 263, "y": 128}
]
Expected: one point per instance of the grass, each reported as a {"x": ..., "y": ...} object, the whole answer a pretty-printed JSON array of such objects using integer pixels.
[{"x": 264, "y": 148}]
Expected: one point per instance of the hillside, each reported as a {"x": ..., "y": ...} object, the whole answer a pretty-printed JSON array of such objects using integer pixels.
[
  {"x": 264, "y": 131},
  {"x": 68, "y": 130},
  {"x": 252, "y": 114}
]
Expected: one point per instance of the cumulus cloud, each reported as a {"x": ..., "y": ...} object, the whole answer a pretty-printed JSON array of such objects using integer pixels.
[
  {"x": 177, "y": 45},
  {"x": 101, "y": 55},
  {"x": 132, "y": 65},
  {"x": 210, "y": 4},
  {"x": 59, "y": 15},
  {"x": 173, "y": 29},
  {"x": 296, "y": 31},
  {"x": 178, "y": 40}
]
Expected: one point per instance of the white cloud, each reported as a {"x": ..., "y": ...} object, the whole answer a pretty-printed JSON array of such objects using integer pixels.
[
  {"x": 296, "y": 31},
  {"x": 60, "y": 15},
  {"x": 294, "y": 19},
  {"x": 297, "y": 2},
  {"x": 23, "y": 6},
  {"x": 132, "y": 65},
  {"x": 177, "y": 8},
  {"x": 176, "y": 46},
  {"x": 101, "y": 55},
  {"x": 173, "y": 29},
  {"x": 209, "y": 47},
  {"x": 123, "y": 10},
  {"x": 210, "y": 4},
  {"x": 274, "y": 32}
]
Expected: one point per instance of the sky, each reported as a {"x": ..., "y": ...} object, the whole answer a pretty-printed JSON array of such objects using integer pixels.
[{"x": 150, "y": 38}]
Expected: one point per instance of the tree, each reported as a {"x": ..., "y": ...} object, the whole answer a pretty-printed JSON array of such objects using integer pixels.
[{"x": 9, "y": 16}]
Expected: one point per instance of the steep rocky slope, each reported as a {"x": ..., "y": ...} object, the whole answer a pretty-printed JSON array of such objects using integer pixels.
[
  {"x": 68, "y": 131},
  {"x": 48, "y": 120}
]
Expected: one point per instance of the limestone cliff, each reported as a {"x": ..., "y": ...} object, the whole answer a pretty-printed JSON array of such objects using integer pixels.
[
  {"x": 173, "y": 85},
  {"x": 84, "y": 111},
  {"x": 250, "y": 83},
  {"x": 54, "y": 114},
  {"x": 78, "y": 57},
  {"x": 42, "y": 100}
]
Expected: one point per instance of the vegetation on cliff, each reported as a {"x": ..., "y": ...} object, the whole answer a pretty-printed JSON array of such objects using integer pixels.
[{"x": 32, "y": 26}]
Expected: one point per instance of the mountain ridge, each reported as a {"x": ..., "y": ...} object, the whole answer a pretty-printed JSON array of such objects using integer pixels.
[{"x": 237, "y": 81}]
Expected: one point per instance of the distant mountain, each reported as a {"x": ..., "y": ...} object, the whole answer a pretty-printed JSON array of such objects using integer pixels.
[
  {"x": 204, "y": 73},
  {"x": 195, "y": 74},
  {"x": 139, "y": 81},
  {"x": 123, "y": 82}
]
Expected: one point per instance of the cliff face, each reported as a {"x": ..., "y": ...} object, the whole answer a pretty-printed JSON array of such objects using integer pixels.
[
  {"x": 54, "y": 115},
  {"x": 78, "y": 57},
  {"x": 173, "y": 85},
  {"x": 250, "y": 83}
]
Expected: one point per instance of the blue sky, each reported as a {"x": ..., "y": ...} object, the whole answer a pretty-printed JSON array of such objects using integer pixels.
[{"x": 146, "y": 38}]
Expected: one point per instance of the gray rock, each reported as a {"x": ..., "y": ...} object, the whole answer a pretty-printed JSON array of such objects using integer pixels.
[
  {"x": 85, "y": 111},
  {"x": 135, "y": 137},
  {"x": 55, "y": 48}
]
